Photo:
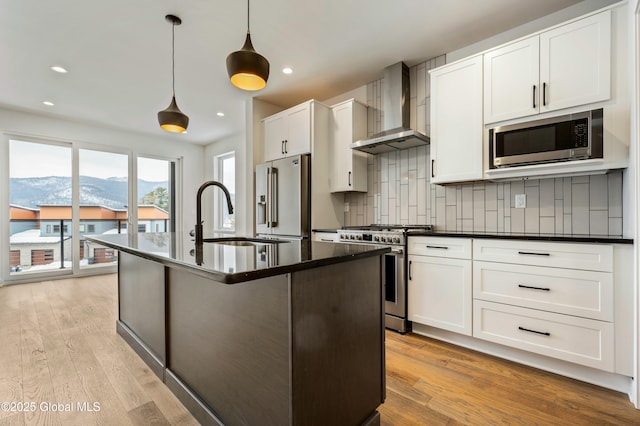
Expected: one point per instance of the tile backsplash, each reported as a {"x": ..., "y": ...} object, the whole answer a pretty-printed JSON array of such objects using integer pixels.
[{"x": 400, "y": 191}]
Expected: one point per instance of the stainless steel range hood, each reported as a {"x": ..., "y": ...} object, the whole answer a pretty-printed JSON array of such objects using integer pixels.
[{"x": 397, "y": 134}]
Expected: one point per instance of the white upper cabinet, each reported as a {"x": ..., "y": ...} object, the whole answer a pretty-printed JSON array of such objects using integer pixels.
[
  {"x": 575, "y": 63},
  {"x": 348, "y": 167},
  {"x": 456, "y": 121},
  {"x": 288, "y": 132},
  {"x": 567, "y": 66},
  {"x": 511, "y": 81}
]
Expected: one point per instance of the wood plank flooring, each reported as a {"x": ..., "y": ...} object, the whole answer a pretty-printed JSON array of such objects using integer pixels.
[{"x": 58, "y": 349}]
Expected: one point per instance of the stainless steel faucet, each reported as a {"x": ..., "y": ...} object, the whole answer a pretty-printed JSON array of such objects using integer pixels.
[{"x": 199, "y": 238}]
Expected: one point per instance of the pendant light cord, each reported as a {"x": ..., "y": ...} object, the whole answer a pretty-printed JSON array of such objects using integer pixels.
[
  {"x": 173, "y": 58},
  {"x": 248, "y": 31}
]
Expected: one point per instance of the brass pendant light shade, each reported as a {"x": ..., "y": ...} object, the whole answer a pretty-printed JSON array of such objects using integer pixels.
[
  {"x": 248, "y": 70},
  {"x": 172, "y": 119}
]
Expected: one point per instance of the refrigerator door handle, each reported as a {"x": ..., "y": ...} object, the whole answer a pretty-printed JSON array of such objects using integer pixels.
[
  {"x": 268, "y": 202},
  {"x": 273, "y": 200}
]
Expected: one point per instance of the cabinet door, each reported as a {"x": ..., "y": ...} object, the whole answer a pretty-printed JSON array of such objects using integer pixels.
[
  {"x": 456, "y": 122},
  {"x": 298, "y": 137},
  {"x": 575, "y": 63},
  {"x": 511, "y": 81},
  {"x": 439, "y": 293},
  {"x": 348, "y": 167},
  {"x": 274, "y": 135}
]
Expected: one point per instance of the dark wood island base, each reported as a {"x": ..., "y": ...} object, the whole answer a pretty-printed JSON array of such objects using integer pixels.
[{"x": 299, "y": 348}]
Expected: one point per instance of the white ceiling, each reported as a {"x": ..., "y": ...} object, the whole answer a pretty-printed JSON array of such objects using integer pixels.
[{"x": 118, "y": 52}]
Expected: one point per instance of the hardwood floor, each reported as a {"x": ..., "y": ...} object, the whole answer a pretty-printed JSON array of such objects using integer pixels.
[{"x": 59, "y": 350}]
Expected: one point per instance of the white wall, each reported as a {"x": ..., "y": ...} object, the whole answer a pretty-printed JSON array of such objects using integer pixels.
[
  {"x": 248, "y": 148},
  {"x": 16, "y": 123}
]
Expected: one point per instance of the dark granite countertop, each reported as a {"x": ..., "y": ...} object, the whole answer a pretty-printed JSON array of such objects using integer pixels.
[
  {"x": 231, "y": 264},
  {"x": 571, "y": 238}
]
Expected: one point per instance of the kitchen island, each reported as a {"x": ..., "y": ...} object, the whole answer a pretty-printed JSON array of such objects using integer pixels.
[{"x": 248, "y": 332}]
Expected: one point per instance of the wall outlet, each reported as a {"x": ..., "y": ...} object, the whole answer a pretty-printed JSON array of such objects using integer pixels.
[
  {"x": 521, "y": 201},
  {"x": 346, "y": 207}
]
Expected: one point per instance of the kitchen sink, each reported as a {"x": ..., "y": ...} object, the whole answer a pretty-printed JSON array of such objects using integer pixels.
[{"x": 242, "y": 241}]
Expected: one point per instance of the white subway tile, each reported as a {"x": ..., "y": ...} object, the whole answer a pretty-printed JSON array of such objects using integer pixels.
[
  {"x": 491, "y": 196},
  {"x": 614, "y": 183},
  {"x": 580, "y": 208},
  {"x": 598, "y": 222},
  {"x": 547, "y": 197},
  {"x": 615, "y": 226},
  {"x": 491, "y": 221},
  {"x": 451, "y": 217},
  {"x": 598, "y": 198},
  {"x": 547, "y": 225}
]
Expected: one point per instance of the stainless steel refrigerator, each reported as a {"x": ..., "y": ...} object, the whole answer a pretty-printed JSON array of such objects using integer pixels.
[{"x": 283, "y": 202}]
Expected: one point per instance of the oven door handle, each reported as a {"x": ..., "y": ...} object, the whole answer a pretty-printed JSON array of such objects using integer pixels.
[
  {"x": 397, "y": 250},
  {"x": 410, "y": 271}
]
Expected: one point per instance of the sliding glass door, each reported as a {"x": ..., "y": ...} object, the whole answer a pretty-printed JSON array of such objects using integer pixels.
[
  {"x": 103, "y": 206},
  {"x": 60, "y": 193},
  {"x": 40, "y": 197}
]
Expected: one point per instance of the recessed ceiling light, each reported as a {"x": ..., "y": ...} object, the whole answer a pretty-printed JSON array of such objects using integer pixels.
[
  {"x": 48, "y": 103},
  {"x": 58, "y": 68},
  {"x": 220, "y": 114},
  {"x": 287, "y": 70}
]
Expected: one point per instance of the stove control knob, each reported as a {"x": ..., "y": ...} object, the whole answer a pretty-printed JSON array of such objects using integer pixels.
[
  {"x": 376, "y": 238},
  {"x": 396, "y": 240},
  {"x": 359, "y": 236},
  {"x": 351, "y": 237}
]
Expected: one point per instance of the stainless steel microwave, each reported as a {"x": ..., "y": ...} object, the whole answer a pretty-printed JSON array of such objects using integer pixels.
[{"x": 569, "y": 137}]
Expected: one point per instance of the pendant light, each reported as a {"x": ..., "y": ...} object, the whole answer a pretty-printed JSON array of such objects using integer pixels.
[
  {"x": 248, "y": 69},
  {"x": 172, "y": 119}
]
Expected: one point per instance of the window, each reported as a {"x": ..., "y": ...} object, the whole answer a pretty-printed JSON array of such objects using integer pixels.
[
  {"x": 56, "y": 228},
  {"x": 81, "y": 228},
  {"x": 48, "y": 229},
  {"x": 142, "y": 228},
  {"x": 225, "y": 172},
  {"x": 91, "y": 228}
]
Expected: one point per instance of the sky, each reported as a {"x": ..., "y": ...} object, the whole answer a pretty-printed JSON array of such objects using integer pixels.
[{"x": 27, "y": 159}]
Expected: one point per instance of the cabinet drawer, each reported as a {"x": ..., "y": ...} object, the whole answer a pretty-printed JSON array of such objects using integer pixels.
[
  {"x": 591, "y": 257},
  {"x": 568, "y": 291},
  {"x": 457, "y": 248},
  {"x": 579, "y": 340}
]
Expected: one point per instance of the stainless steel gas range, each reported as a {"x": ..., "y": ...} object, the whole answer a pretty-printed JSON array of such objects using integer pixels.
[{"x": 395, "y": 265}]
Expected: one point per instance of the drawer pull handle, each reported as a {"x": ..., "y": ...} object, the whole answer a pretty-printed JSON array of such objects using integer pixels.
[
  {"x": 438, "y": 247},
  {"x": 533, "y": 253},
  {"x": 534, "y": 288},
  {"x": 544, "y": 333}
]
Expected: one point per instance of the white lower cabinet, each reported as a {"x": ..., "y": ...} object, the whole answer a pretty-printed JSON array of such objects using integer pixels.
[
  {"x": 554, "y": 299},
  {"x": 574, "y": 339},
  {"x": 568, "y": 301},
  {"x": 439, "y": 285}
]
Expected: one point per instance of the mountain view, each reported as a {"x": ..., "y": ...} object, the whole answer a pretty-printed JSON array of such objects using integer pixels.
[{"x": 56, "y": 190}]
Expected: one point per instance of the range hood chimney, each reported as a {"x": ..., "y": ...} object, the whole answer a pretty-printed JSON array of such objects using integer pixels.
[{"x": 397, "y": 134}]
